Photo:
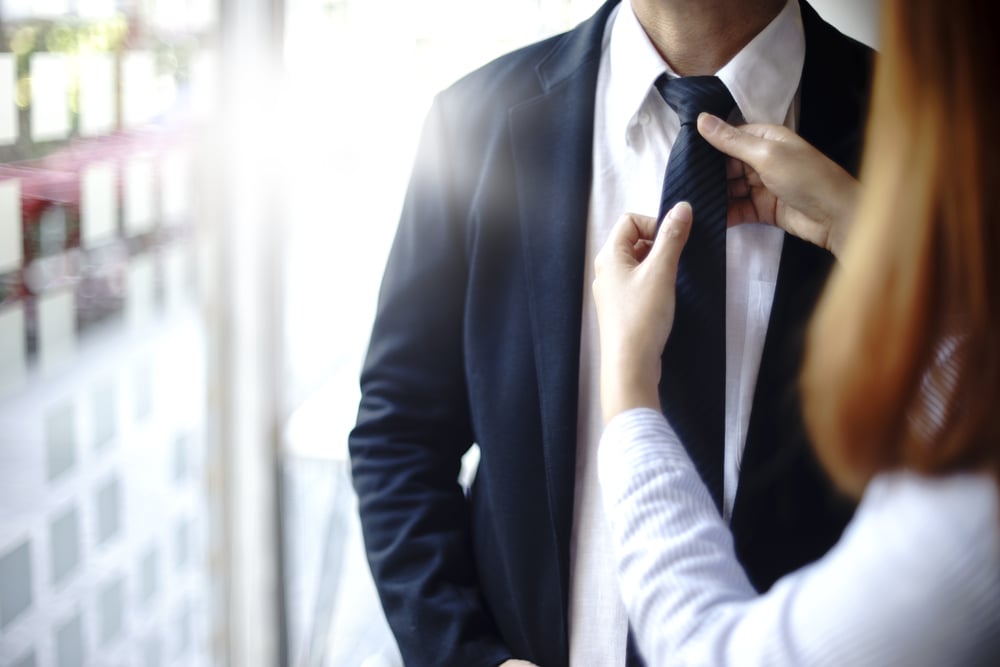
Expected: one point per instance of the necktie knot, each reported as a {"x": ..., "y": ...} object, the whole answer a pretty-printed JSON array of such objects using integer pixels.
[{"x": 691, "y": 95}]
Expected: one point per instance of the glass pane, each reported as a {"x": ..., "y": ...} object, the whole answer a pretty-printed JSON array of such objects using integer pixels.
[{"x": 107, "y": 514}]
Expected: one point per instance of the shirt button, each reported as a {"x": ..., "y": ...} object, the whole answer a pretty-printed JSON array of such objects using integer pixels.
[{"x": 643, "y": 118}]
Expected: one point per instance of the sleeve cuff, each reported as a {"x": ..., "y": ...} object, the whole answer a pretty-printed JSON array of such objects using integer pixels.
[{"x": 636, "y": 440}]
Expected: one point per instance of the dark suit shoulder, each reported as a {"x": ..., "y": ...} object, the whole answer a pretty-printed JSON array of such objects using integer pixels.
[
  {"x": 525, "y": 74},
  {"x": 505, "y": 81},
  {"x": 467, "y": 128},
  {"x": 472, "y": 117},
  {"x": 835, "y": 51},
  {"x": 836, "y": 80}
]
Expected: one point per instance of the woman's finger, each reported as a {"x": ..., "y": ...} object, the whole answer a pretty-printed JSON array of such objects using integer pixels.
[
  {"x": 641, "y": 249},
  {"x": 625, "y": 238},
  {"x": 735, "y": 168},
  {"x": 670, "y": 240},
  {"x": 731, "y": 140},
  {"x": 645, "y": 226},
  {"x": 741, "y": 211},
  {"x": 738, "y": 188},
  {"x": 632, "y": 227},
  {"x": 753, "y": 179}
]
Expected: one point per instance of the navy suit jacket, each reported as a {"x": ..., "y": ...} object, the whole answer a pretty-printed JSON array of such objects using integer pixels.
[{"x": 477, "y": 340}]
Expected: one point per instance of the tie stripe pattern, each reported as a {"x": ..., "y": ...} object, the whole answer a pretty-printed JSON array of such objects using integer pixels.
[{"x": 692, "y": 385}]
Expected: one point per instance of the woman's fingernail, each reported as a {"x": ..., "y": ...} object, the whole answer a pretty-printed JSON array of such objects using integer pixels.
[
  {"x": 708, "y": 122},
  {"x": 680, "y": 211},
  {"x": 675, "y": 216}
]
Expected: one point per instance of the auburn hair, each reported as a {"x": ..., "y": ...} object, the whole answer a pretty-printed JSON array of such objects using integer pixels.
[{"x": 902, "y": 366}]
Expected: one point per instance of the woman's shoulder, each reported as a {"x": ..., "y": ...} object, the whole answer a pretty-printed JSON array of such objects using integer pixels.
[
  {"x": 942, "y": 534},
  {"x": 959, "y": 503},
  {"x": 955, "y": 517}
]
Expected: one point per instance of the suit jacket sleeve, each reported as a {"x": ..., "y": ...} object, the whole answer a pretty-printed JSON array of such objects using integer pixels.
[{"x": 414, "y": 425}]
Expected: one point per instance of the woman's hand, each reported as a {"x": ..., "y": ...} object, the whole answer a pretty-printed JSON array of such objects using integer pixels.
[
  {"x": 777, "y": 178},
  {"x": 634, "y": 290}
]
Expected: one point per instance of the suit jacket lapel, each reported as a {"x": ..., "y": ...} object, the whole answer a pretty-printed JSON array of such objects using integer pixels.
[
  {"x": 552, "y": 139},
  {"x": 832, "y": 110}
]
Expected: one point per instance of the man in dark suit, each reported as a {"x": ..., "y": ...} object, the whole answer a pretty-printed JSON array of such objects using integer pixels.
[{"x": 477, "y": 339}]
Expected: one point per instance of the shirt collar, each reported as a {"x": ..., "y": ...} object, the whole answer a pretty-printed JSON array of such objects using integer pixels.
[{"x": 763, "y": 77}]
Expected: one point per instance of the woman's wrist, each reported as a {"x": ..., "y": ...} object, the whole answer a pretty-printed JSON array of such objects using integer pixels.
[
  {"x": 626, "y": 386},
  {"x": 845, "y": 196}
]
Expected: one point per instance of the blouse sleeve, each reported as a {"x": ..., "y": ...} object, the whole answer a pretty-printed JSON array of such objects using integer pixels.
[{"x": 915, "y": 579}]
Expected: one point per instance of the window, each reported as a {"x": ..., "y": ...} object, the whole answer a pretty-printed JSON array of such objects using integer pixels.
[{"x": 108, "y": 516}]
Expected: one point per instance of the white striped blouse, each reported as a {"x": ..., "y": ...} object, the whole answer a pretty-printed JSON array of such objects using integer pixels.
[{"x": 914, "y": 580}]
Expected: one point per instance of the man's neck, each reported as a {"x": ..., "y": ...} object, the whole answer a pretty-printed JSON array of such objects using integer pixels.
[{"x": 698, "y": 37}]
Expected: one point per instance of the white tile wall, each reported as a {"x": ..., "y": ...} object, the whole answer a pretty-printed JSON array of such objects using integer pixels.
[
  {"x": 10, "y": 225},
  {"x": 98, "y": 205},
  {"x": 13, "y": 352},
  {"x": 50, "y": 118},
  {"x": 97, "y": 94},
  {"x": 140, "y": 214},
  {"x": 56, "y": 328},
  {"x": 140, "y": 291},
  {"x": 175, "y": 186},
  {"x": 138, "y": 88},
  {"x": 8, "y": 110}
]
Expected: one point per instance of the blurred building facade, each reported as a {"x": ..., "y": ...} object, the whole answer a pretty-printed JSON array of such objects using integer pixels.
[{"x": 106, "y": 510}]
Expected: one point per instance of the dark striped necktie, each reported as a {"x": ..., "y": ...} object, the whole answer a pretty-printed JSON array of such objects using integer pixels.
[{"x": 693, "y": 384}]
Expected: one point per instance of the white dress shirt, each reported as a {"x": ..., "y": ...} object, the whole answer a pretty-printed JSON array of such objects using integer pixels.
[
  {"x": 634, "y": 130},
  {"x": 914, "y": 580}
]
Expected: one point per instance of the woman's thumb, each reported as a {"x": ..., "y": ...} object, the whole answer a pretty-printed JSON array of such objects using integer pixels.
[{"x": 670, "y": 239}]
